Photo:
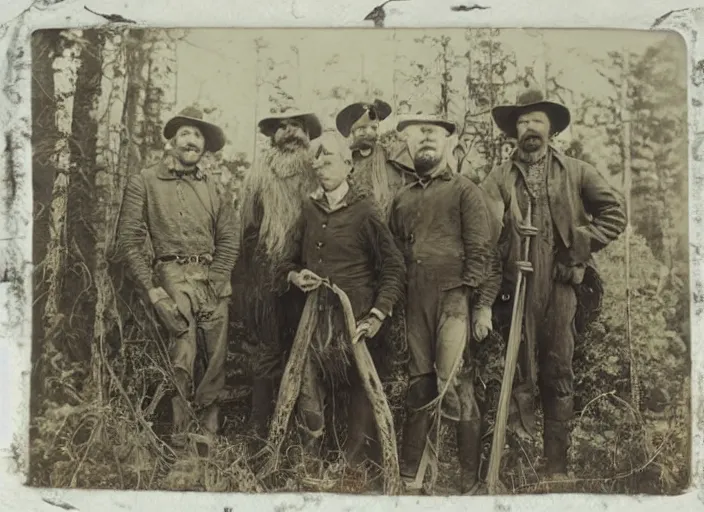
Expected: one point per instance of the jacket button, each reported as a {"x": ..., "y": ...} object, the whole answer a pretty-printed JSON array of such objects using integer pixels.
[
  {"x": 325, "y": 225},
  {"x": 320, "y": 260},
  {"x": 418, "y": 261}
]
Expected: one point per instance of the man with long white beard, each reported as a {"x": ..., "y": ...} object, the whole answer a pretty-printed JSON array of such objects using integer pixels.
[
  {"x": 441, "y": 223},
  {"x": 273, "y": 195},
  {"x": 376, "y": 172}
]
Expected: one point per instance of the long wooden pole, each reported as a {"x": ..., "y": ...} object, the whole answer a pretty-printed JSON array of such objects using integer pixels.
[{"x": 514, "y": 342}]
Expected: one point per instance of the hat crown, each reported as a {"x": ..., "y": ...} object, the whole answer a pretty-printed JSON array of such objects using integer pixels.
[
  {"x": 529, "y": 97},
  {"x": 193, "y": 112}
]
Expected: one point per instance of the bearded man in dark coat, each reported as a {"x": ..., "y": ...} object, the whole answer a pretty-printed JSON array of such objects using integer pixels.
[
  {"x": 378, "y": 171},
  {"x": 273, "y": 195},
  {"x": 574, "y": 213}
]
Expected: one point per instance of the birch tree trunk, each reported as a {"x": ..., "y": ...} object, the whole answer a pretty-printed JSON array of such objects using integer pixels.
[
  {"x": 54, "y": 264},
  {"x": 161, "y": 55},
  {"x": 112, "y": 91}
]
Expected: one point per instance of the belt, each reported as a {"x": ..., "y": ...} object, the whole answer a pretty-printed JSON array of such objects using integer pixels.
[{"x": 203, "y": 259}]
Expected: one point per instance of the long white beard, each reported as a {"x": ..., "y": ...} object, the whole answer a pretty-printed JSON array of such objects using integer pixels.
[{"x": 282, "y": 181}]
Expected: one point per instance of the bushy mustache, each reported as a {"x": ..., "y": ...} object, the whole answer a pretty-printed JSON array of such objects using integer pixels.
[{"x": 531, "y": 133}]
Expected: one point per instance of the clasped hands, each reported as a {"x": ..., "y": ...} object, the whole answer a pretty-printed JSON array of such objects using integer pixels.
[{"x": 307, "y": 281}]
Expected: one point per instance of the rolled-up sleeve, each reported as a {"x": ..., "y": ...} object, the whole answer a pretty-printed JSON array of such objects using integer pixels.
[{"x": 132, "y": 231}]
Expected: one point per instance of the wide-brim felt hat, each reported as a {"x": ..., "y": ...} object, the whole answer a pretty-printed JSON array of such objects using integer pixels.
[
  {"x": 426, "y": 119},
  {"x": 348, "y": 116},
  {"x": 310, "y": 121},
  {"x": 191, "y": 116},
  {"x": 506, "y": 116}
]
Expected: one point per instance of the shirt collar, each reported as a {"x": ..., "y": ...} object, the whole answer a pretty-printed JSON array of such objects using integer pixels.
[
  {"x": 169, "y": 167},
  {"x": 336, "y": 196},
  {"x": 554, "y": 152},
  {"x": 445, "y": 174},
  {"x": 333, "y": 200}
]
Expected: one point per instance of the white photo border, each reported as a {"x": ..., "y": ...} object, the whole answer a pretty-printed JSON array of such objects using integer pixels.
[{"x": 19, "y": 18}]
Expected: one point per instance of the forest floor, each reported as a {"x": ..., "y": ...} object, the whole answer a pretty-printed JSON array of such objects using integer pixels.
[{"x": 613, "y": 451}]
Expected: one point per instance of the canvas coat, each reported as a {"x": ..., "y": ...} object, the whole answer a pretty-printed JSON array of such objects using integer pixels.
[
  {"x": 585, "y": 214},
  {"x": 184, "y": 217}
]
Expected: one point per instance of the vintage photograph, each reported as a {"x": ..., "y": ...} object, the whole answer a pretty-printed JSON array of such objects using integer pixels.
[{"x": 365, "y": 261}]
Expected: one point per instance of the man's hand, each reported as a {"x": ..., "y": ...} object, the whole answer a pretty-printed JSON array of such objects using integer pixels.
[
  {"x": 167, "y": 310},
  {"x": 481, "y": 322},
  {"x": 526, "y": 231},
  {"x": 568, "y": 274},
  {"x": 306, "y": 280},
  {"x": 368, "y": 327}
]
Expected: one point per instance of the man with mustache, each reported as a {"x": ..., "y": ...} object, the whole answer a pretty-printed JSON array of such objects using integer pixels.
[
  {"x": 273, "y": 195},
  {"x": 375, "y": 172},
  {"x": 442, "y": 225},
  {"x": 195, "y": 238},
  {"x": 574, "y": 212}
]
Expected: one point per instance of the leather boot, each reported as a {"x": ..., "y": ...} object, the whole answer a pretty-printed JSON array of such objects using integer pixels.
[
  {"x": 469, "y": 445},
  {"x": 415, "y": 432},
  {"x": 556, "y": 442},
  {"x": 555, "y": 446},
  {"x": 361, "y": 439},
  {"x": 210, "y": 419},
  {"x": 263, "y": 403},
  {"x": 181, "y": 418}
]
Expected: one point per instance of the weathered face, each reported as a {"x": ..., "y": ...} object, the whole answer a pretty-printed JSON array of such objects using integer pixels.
[
  {"x": 188, "y": 145},
  {"x": 533, "y": 131},
  {"x": 291, "y": 136},
  {"x": 332, "y": 166},
  {"x": 365, "y": 135},
  {"x": 427, "y": 144}
]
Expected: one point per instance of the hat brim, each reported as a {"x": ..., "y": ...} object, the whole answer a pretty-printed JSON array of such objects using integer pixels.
[
  {"x": 311, "y": 123},
  {"x": 353, "y": 112},
  {"x": 449, "y": 126},
  {"x": 506, "y": 116},
  {"x": 213, "y": 135}
]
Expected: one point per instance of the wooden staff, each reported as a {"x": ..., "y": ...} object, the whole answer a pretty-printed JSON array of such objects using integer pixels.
[
  {"x": 375, "y": 392},
  {"x": 514, "y": 343},
  {"x": 291, "y": 386}
]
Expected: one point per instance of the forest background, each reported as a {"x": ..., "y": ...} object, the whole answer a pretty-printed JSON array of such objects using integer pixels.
[{"x": 99, "y": 101}]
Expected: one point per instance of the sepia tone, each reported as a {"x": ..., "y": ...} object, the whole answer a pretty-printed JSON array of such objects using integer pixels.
[{"x": 106, "y": 388}]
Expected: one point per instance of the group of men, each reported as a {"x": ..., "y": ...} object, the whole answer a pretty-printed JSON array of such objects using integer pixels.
[{"x": 404, "y": 236}]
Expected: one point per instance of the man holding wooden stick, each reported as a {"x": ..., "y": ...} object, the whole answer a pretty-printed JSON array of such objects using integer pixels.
[
  {"x": 573, "y": 213},
  {"x": 441, "y": 222},
  {"x": 345, "y": 241}
]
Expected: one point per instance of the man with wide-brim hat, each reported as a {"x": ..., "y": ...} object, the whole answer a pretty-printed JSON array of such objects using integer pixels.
[
  {"x": 195, "y": 241},
  {"x": 308, "y": 121},
  {"x": 378, "y": 170},
  {"x": 441, "y": 222},
  {"x": 274, "y": 191},
  {"x": 191, "y": 116},
  {"x": 574, "y": 212}
]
